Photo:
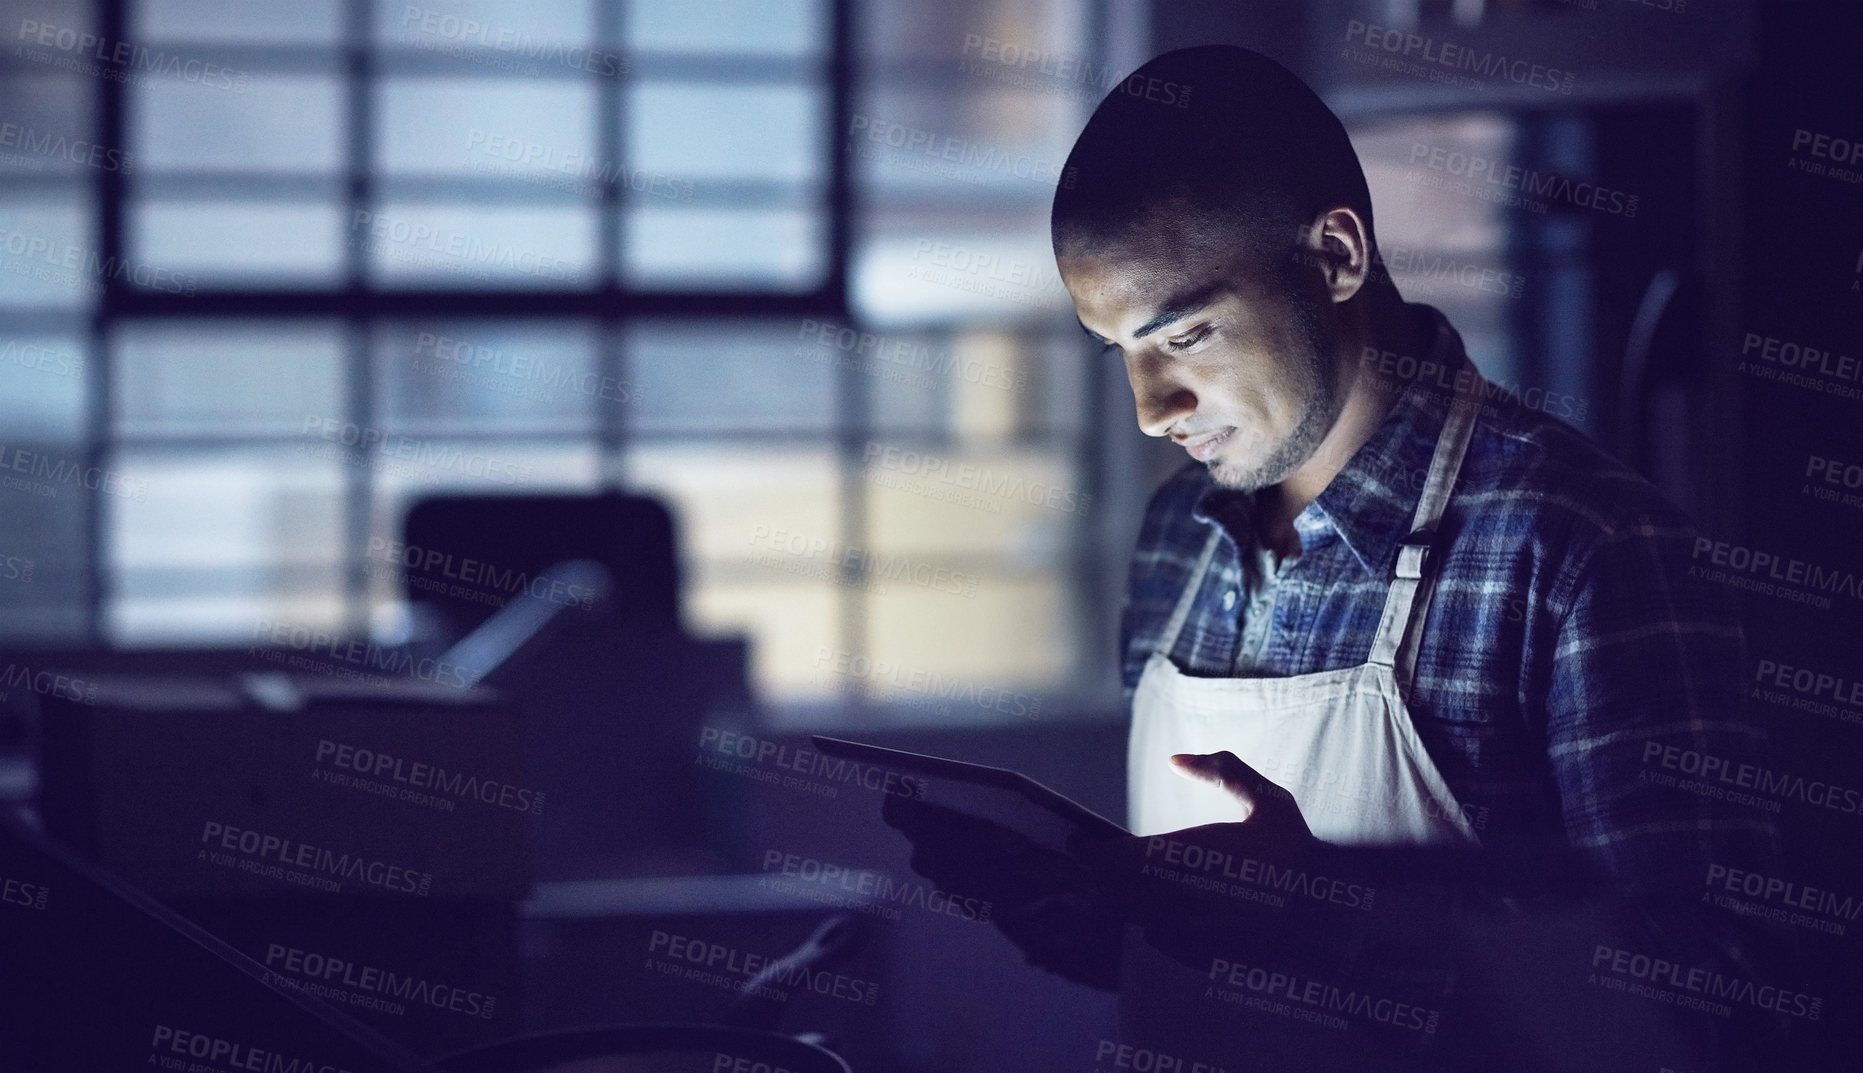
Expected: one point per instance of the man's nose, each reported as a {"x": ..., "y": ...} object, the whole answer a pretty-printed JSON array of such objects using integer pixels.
[{"x": 1161, "y": 404}]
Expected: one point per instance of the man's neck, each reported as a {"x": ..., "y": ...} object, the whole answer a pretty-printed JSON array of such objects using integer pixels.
[{"x": 1384, "y": 323}]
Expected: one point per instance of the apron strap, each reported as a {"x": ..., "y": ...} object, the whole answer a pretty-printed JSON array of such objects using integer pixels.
[
  {"x": 1411, "y": 584},
  {"x": 1181, "y": 613}
]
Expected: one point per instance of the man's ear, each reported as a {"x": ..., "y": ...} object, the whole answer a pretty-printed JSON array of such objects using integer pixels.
[{"x": 1339, "y": 243}]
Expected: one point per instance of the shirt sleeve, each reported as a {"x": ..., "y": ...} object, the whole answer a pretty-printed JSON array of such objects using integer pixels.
[
  {"x": 1647, "y": 731},
  {"x": 1644, "y": 695}
]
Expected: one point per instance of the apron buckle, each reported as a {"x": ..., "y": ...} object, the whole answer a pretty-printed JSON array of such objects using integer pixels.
[{"x": 1414, "y": 552}]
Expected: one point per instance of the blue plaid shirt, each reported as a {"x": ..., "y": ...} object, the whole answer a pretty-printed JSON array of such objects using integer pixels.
[{"x": 1565, "y": 634}]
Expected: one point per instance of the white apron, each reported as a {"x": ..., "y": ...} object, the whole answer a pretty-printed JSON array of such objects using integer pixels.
[{"x": 1342, "y": 742}]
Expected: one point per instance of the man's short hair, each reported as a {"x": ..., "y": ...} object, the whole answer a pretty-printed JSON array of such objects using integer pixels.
[{"x": 1247, "y": 145}]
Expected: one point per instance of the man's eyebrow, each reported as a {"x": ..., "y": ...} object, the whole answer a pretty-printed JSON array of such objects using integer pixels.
[{"x": 1180, "y": 305}]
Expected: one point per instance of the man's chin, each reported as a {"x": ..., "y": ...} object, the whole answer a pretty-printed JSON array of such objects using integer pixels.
[
  {"x": 1237, "y": 477},
  {"x": 1254, "y": 473}
]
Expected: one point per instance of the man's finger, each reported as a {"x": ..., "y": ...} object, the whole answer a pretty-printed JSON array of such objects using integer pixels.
[
  {"x": 1267, "y": 801},
  {"x": 1227, "y": 770}
]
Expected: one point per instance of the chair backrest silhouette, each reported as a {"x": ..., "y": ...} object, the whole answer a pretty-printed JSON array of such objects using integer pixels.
[{"x": 503, "y": 541}]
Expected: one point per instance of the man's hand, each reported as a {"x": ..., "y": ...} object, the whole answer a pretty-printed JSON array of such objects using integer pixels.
[
  {"x": 1044, "y": 901},
  {"x": 1180, "y": 886},
  {"x": 1271, "y": 808},
  {"x": 1064, "y": 911},
  {"x": 1272, "y": 828}
]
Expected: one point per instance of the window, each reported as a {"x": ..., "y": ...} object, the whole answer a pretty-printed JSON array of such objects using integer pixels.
[{"x": 330, "y": 257}]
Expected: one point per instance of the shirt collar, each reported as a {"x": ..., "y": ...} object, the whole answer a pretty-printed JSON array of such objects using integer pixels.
[{"x": 1372, "y": 499}]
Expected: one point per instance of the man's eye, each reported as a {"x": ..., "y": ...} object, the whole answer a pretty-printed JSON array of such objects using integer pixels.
[{"x": 1188, "y": 341}]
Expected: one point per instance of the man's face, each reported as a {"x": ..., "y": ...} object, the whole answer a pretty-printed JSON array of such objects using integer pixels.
[{"x": 1233, "y": 364}]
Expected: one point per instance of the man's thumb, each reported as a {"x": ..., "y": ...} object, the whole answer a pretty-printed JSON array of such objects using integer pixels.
[{"x": 1228, "y": 771}]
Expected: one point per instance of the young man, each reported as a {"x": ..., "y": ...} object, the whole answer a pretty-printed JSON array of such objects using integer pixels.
[{"x": 1382, "y": 604}]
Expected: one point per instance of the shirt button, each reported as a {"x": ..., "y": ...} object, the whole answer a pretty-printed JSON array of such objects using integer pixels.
[{"x": 1229, "y": 600}]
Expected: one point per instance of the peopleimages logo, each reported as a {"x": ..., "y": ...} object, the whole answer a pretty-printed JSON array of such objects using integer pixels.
[
  {"x": 706, "y": 962},
  {"x": 454, "y": 35},
  {"x": 317, "y": 650},
  {"x": 1529, "y": 182},
  {"x": 1760, "y": 571},
  {"x": 23, "y": 894},
  {"x": 428, "y": 776},
  {"x": 1446, "y": 57},
  {"x": 119, "y": 61},
  {"x": 276, "y": 857},
  {"x": 903, "y": 360},
  {"x": 930, "y": 151},
  {"x": 399, "y": 453},
  {"x": 47, "y": 683},
  {"x": 939, "y": 477},
  {"x": 1197, "y": 866},
  {"x": 431, "y": 570},
  {"x": 1313, "y": 1000},
  {"x": 808, "y": 762},
  {"x": 368, "y": 986},
  {"x": 48, "y": 145},
  {"x": 889, "y": 681},
  {"x": 1008, "y": 62},
  {"x": 1781, "y": 900},
  {"x": 1800, "y": 689},
  {"x": 52, "y": 261},
  {"x": 1721, "y": 778},
  {"x": 1701, "y": 987},
  {"x": 830, "y": 559},
  {"x": 1145, "y": 1060},
  {"x": 1838, "y": 158},
  {"x": 1803, "y": 365},
  {"x": 835, "y": 882},
  {"x": 173, "y": 1046}
]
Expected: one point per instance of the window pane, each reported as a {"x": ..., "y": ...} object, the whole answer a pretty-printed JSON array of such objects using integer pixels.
[
  {"x": 45, "y": 129},
  {"x": 759, "y": 528},
  {"x": 721, "y": 249},
  {"x": 407, "y": 464},
  {"x": 903, "y": 276},
  {"x": 1008, "y": 144},
  {"x": 460, "y": 125},
  {"x": 42, "y": 544},
  {"x": 525, "y": 30},
  {"x": 178, "y": 126},
  {"x": 977, "y": 384},
  {"x": 726, "y": 132},
  {"x": 1437, "y": 233},
  {"x": 223, "y": 542},
  {"x": 1013, "y": 633},
  {"x": 277, "y": 378},
  {"x": 718, "y": 379},
  {"x": 298, "y": 22},
  {"x": 790, "y": 625},
  {"x": 469, "y": 246},
  {"x": 42, "y": 381},
  {"x": 45, "y": 479},
  {"x": 469, "y": 376},
  {"x": 47, "y": 253},
  {"x": 775, "y": 27},
  {"x": 1015, "y": 507},
  {"x": 186, "y": 246},
  {"x": 731, "y": 501},
  {"x": 1053, "y": 30}
]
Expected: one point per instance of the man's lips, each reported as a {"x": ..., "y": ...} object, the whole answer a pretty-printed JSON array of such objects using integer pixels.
[{"x": 1204, "y": 446}]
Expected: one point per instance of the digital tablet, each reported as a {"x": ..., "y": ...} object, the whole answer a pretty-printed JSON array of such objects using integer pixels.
[{"x": 998, "y": 795}]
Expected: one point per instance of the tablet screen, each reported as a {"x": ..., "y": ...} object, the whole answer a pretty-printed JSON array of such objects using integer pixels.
[{"x": 997, "y": 795}]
